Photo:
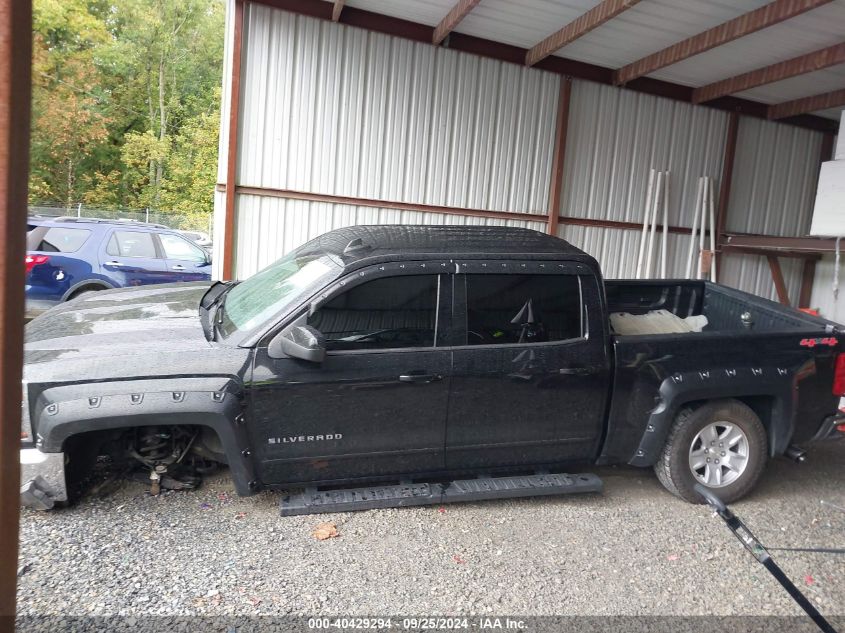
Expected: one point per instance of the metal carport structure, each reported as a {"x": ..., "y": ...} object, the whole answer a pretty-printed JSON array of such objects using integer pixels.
[{"x": 542, "y": 114}]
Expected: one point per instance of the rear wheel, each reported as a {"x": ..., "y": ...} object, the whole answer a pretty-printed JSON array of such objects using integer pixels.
[{"x": 721, "y": 445}]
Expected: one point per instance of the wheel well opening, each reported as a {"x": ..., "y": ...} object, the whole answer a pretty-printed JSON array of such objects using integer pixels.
[
  {"x": 200, "y": 440},
  {"x": 181, "y": 455},
  {"x": 763, "y": 407},
  {"x": 86, "y": 288}
]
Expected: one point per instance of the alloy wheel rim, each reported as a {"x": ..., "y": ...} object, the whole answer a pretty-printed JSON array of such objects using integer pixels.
[{"x": 718, "y": 454}]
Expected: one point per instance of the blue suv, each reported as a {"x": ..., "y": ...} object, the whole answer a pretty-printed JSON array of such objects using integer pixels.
[{"x": 68, "y": 256}]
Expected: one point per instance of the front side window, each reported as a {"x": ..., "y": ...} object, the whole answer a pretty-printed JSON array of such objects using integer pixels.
[
  {"x": 176, "y": 247},
  {"x": 385, "y": 313},
  {"x": 508, "y": 309},
  {"x": 132, "y": 244}
]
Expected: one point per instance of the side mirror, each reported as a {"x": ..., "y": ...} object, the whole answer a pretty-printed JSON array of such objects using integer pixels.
[{"x": 298, "y": 341}]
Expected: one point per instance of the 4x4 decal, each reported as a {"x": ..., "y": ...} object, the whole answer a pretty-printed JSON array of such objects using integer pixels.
[{"x": 812, "y": 342}]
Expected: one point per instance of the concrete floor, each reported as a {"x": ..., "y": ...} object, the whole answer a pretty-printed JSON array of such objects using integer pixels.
[{"x": 635, "y": 550}]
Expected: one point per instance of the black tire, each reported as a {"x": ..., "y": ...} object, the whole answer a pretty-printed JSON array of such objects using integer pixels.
[{"x": 673, "y": 466}]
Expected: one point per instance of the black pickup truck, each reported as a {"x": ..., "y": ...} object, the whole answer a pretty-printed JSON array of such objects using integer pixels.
[{"x": 409, "y": 353}]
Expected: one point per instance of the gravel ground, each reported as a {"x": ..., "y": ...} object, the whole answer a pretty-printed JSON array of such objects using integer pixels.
[{"x": 634, "y": 550}]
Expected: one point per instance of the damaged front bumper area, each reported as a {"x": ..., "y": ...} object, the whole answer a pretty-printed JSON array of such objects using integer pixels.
[{"x": 42, "y": 479}]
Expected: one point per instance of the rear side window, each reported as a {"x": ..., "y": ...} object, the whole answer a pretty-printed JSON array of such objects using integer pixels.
[
  {"x": 131, "y": 244},
  {"x": 60, "y": 240},
  {"x": 507, "y": 309},
  {"x": 386, "y": 313}
]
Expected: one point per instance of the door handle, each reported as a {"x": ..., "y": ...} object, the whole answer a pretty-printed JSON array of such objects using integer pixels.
[
  {"x": 178, "y": 267},
  {"x": 575, "y": 371},
  {"x": 113, "y": 264},
  {"x": 421, "y": 378}
]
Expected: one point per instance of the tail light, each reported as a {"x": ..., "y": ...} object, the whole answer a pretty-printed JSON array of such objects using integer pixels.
[
  {"x": 35, "y": 260},
  {"x": 839, "y": 376}
]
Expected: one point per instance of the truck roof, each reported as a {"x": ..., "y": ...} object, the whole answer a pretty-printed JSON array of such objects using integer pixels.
[{"x": 362, "y": 244}]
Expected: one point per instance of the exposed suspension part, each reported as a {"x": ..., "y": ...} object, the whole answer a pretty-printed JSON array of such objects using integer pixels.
[{"x": 163, "y": 451}]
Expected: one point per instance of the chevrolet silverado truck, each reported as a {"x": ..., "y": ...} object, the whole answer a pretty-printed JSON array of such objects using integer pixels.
[{"x": 384, "y": 359}]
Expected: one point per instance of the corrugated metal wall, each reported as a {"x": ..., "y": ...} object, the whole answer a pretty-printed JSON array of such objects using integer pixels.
[
  {"x": 345, "y": 111},
  {"x": 617, "y": 136},
  {"x": 830, "y": 307},
  {"x": 331, "y": 109},
  {"x": 270, "y": 227},
  {"x": 774, "y": 187},
  {"x": 774, "y": 181},
  {"x": 752, "y": 274},
  {"x": 617, "y": 250}
]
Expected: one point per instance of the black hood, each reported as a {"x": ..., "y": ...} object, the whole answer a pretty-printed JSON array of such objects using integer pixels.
[{"x": 124, "y": 322}]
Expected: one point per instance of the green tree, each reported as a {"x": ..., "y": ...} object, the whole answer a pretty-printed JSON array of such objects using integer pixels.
[
  {"x": 68, "y": 121},
  {"x": 192, "y": 174},
  {"x": 126, "y": 102},
  {"x": 178, "y": 48}
]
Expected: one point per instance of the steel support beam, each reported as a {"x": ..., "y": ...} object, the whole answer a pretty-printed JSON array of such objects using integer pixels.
[
  {"x": 725, "y": 184},
  {"x": 805, "y": 105},
  {"x": 448, "y": 23},
  {"x": 337, "y": 9},
  {"x": 808, "y": 276},
  {"x": 786, "y": 246},
  {"x": 559, "y": 156},
  {"x": 232, "y": 145},
  {"x": 817, "y": 60},
  {"x": 745, "y": 24},
  {"x": 15, "y": 85},
  {"x": 294, "y": 194},
  {"x": 765, "y": 252},
  {"x": 777, "y": 277},
  {"x": 595, "y": 17},
  {"x": 826, "y": 152}
]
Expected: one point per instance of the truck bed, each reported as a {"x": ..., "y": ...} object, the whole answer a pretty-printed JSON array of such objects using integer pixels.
[
  {"x": 764, "y": 359},
  {"x": 722, "y": 306}
]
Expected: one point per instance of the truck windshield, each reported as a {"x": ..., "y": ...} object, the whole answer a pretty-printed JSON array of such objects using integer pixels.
[{"x": 274, "y": 290}]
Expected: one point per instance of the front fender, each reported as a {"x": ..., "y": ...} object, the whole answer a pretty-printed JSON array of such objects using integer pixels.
[
  {"x": 677, "y": 390},
  {"x": 214, "y": 402}
]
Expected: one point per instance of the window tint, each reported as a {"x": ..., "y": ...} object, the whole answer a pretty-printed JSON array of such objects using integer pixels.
[
  {"x": 522, "y": 308},
  {"x": 131, "y": 244},
  {"x": 61, "y": 240},
  {"x": 177, "y": 248},
  {"x": 385, "y": 313}
]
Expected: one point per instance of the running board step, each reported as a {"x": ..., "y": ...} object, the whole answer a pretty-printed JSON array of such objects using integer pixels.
[{"x": 313, "y": 501}]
